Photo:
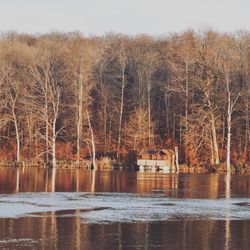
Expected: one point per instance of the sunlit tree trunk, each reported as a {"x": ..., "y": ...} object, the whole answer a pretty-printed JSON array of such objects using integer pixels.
[
  {"x": 230, "y": 108},
  {"x": 177, "y": 159},
  {"x": 13, "y": 98},
  {"x": 92, "y": 140},
  {"x": 123, "y": 84},
  {"x": 186, "y": 101},
  {"x": 79, "y": 116},
  {"x": 229, "y": 140},
  {"x": 53, "y": 146},
  {"x": 17, "y": 139},
  {"x": 186, "y": 92},
  {"x": 105, "y": 96},
  {"x": 213, "y": 127},
  {"x": 215, "y": 142},
  {"x": 149, "y": 112},
  {"x": 105, "y": 118},
  {"x": 212, "y": 148},
  {"x": 247, "y": 130},
  {"x": 55, "y": 103},
  {"x": 166, "y": 100},
  {"x": 46, "y": 118}
]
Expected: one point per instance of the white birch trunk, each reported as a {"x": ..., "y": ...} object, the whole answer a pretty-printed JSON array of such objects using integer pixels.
[
  {"x": 17, "y": 139},
  {"x": 229, "y": 115},
  {"x": 177, "y": 160},
  {"x": 54, "y": 147},
  {"x": 215, "y": 142},
  {"x": 230, "y": 107},
  {"x": 79, "y": 117},
  {"x": 121, "y": 111},
  {"x": 213, "y": 128},
  {"x": 56, "y": 102},
  {"x": 149, "y": 113},
  {"x": 13, "y": 106},
  {"x": 46, "y": 120},
  {"x": 92, "y": 141}
]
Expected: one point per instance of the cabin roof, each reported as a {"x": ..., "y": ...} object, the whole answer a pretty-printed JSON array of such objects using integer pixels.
[{"x": 157, "y": 151}]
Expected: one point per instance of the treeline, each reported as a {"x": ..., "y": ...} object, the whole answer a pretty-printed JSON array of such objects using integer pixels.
[{"x": 64, "y": 96}]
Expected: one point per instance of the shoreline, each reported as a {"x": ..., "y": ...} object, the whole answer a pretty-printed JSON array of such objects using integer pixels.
[{"x": 115, "y": 165}]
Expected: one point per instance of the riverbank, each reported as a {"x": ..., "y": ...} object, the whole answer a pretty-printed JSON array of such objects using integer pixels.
[{"x": 105, "y": 163}]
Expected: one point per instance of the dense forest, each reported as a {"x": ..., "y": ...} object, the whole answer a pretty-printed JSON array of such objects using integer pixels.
[{"x": 65, "y": 96}]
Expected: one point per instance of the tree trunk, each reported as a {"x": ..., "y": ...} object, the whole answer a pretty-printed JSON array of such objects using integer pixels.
[
  {"x": 105, "y": 125},
  {"x": 121, "y": 112},
  {"x": 149, "y": 113},
  {"x": 46, "y": 120},
  {"x": 247, "y": 131},
  {"x": 92, "y": 141},
  {"x": 55, "y": 103},
  {"x": 54, "y": 144},
  {"x": 212, "y": 148},
  {"x": 230, "y": 106},
  {"x": 229, "y": 114},
  {"x": 140, "y": 89},
  {"x": 17, "y": 139},
  {"x": 47, "y": 139},
  {"x": 215, "y": 143},
  {"x": 79, "y": 118},
  {"x": 177, "y": 159},
  {"x": 167, "y": 109},
  {"x": 13, "y": 107},
  {"x": 186, "y": 102},
  {"x": 173, "y": 129},
  {"x": 187, "y": 93}
]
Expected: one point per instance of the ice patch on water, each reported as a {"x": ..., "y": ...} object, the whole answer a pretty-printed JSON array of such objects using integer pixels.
[{"x": 122, "y": 207}]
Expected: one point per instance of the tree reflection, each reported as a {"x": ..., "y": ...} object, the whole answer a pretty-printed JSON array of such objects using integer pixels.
[{"x": 228, "y": 212}]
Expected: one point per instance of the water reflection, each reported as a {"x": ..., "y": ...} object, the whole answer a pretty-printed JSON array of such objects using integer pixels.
[
  {"x": 228, "y": 212},
  {"x": 211, "y": 186},
  {"x": 54, "y": 230},
  {"x": 92, "y": 181},
  {"x": 57, "y": 232},
  {"x": 17, "y": 180},
  {"x": 53, "y": 180}
]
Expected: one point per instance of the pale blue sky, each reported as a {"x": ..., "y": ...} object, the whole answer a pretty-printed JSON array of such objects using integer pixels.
[{"x": 124, "y": 16}]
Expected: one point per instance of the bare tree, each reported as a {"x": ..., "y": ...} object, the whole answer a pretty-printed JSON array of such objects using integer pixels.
[
  {"x": 230, "y": 109},
  {"x": 46, "y": 73},
  {"x": 138, "y": 92},
  {"x": 92, "y": 140},
  {"x": 136, "y": 130},
  {"x": 117, "y": 61},
  {"x": 80, "y": 60},
  {"x": 13, "y": 70}
]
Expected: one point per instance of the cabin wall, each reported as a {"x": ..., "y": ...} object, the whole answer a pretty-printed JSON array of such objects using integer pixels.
[
  {"x": 156, "y": 157},
  {"x": 166, "y": 159},
  {"x": 146, "y": 157}
]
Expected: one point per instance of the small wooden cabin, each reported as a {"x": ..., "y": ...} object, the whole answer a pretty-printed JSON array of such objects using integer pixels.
[{"x": 156, "y": 159}]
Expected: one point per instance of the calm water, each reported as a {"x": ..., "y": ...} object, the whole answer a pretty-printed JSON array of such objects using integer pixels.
[{"x": 78, "y": 209}]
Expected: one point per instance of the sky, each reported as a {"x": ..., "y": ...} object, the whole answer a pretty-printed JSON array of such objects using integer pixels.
[{"x": 154, "y": 17}]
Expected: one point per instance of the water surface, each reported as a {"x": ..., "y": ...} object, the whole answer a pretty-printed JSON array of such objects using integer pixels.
[{"x": 79, "y": 209}]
